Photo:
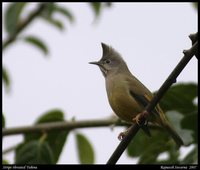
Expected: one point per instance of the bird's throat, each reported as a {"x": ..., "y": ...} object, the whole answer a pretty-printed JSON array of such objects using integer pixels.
[{"x": 103, "y": 70}]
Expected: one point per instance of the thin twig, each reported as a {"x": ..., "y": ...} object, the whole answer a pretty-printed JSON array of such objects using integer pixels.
[
  {"x": 65, "y": 125},
  {"x": 166, "y": 85},
  {"x": 44, "y": 127}
]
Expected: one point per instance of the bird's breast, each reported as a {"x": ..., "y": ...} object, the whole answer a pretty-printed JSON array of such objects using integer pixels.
[{"x": 122, "y": 103}]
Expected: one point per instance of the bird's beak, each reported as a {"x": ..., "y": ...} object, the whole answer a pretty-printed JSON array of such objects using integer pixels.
[
  {"x": 95, "y": 62},
  {"x": 102, "y": 68}
]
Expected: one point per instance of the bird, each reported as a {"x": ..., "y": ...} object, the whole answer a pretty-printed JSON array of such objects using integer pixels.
[{"x": 127, "y": 96}]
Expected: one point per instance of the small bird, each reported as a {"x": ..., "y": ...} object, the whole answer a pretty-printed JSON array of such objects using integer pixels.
[{"x": 127, "y": 96}]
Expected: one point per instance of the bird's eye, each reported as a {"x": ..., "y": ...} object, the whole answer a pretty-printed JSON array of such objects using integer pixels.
[{"x": 107, "y": 61}]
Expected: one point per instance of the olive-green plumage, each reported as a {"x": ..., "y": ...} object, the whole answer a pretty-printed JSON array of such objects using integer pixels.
[{"x": 126, "y": 94}]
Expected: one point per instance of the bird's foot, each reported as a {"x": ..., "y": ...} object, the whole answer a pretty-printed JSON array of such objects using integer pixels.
[{"x": 140, "y": 118}]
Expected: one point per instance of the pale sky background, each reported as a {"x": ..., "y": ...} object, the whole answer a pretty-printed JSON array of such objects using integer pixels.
[{"x": 149, "y": 36}]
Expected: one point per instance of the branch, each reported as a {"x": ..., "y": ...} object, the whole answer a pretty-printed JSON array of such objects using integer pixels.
[
  {"x": 66, "y": 125},
  {"x": 44, "y": 127},
  {"x": 194, "y": 38},
  {"x": 23, "y": 25},
  {"x": 188, "y": 54}
]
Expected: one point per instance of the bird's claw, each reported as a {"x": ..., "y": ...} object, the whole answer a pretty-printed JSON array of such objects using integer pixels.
[{"x": 139, "y": 117}]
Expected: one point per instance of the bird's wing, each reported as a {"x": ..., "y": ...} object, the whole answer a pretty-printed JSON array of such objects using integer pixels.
[
  {"x": 141, "y": 94},
  {"x": 141, "y": 99}
]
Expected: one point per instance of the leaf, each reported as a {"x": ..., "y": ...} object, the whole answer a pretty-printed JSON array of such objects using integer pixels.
[
  {"x": 12, "y": 16},
  {"x": 148, "y": 149},
  {"x": 34, "y": 152},
  {"x": 64, "y": 12},
  {"x": 175, "y": 119},
  {"x": 150, "y": 155},
  {"x": 180, "y": 97},
  {"x": 85, "y": 149},
  {"x": 3, "y": 121},
  {"x": 195, "y": 5},
  {"x": 56, "y": 138},
  {"x": 53, "y": 115},
  {"x": 58, "y": 24},
  {"x": 133, "y": 151},
  {"x": 96, "y": 6},
  {"x": 191, "y": 122},
  {"x": 5, "y": 162},
  {"x": 49, "y": 9},
  {"x": 6, "y": 79},
  {"x": 37, "y": 43}
]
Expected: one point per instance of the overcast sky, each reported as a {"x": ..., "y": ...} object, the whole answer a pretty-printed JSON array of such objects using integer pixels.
[{"x": 149, "y": 36}]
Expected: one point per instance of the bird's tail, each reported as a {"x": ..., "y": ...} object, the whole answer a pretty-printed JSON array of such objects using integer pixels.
[
  {"x": 166, "y": 125},
  {"x": 173, "y": 133}
]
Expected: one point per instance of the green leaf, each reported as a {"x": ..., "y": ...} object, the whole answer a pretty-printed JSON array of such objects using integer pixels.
[
  {"x": 150, "y": 155},
  {"x": 85, "y": 149},
  {"x": 191, "y": 122},
  {"x": 195, "y": 5},
  {"x": 96, "y": 6},
  {"x": 49, "y": 10},
  {"x": 12, "y": 16},
  {"x": 53, "y": 115},
  {"x": 180, "y": 97},
  {"x": 55, "y": 138},
  {"x": 3, "y": 121},
  {"x": 147, "y": 149},
  {"x": 37, "y": 43},
  {"x": 64, "y": 12},
  {"x": 5, "y": 78},
  {"x": 175, "y": 119},
  {"x": 133, "y": 151},
  {"x": 34, "y": 152},
  {"x": 5, "y": 162},
  {"x": 58, "y": 24}
]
